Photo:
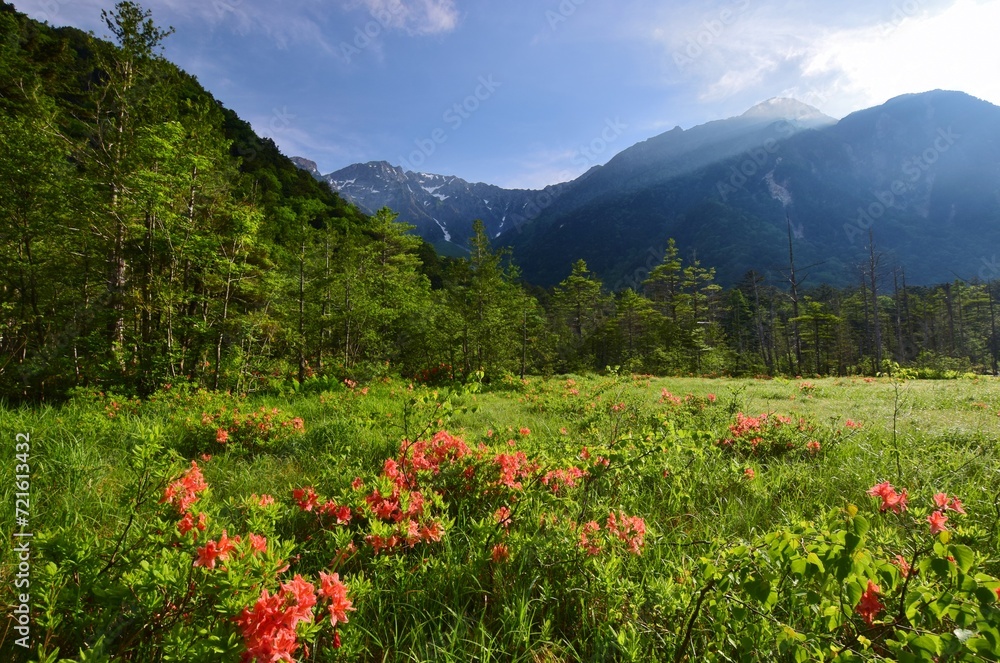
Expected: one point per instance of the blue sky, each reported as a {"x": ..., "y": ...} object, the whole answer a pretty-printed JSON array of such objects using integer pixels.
[{"x": 524, "y": 93}]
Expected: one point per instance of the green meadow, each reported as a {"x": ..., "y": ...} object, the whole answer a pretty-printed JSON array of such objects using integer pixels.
[{"x": 575, "y": 518}]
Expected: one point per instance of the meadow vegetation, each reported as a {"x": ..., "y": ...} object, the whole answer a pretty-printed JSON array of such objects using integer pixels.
[{"x": 619, "y": 517}]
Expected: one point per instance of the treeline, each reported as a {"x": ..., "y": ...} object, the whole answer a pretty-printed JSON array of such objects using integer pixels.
[{"x": 147, "y": 236}]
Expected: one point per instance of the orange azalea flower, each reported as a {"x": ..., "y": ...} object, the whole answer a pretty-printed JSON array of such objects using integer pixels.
[
  {"x": 500, "y": 553},
  {"x": 937, "y": 521},
  {"x": 300, "y": 597},
  {"x": 212, "y": 551},
  {"x": 502, "y": 516},
  {"x": 588, "y": 534},
  {"x": 868, "y": 607},
  {"x": 258, "y": 543},
  {"x": 336, "y": 591},
  {"x": 944, "y": 503},
  {"x": 306, "y": 498},
  {"x": 890, "y": 498},
  {"x": 904, "y": 566}
]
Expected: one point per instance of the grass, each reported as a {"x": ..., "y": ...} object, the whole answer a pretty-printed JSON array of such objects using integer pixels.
[{"x": 549, "y": 601}]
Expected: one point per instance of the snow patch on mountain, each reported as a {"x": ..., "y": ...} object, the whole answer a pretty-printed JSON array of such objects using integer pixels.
[{"x": 444, "y": 229}]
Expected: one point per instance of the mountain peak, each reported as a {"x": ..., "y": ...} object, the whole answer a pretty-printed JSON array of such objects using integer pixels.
[{"x": 788, "y": 109}]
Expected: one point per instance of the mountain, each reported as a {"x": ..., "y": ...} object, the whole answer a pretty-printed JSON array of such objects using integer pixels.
[
  {"x": 678, "y": 152},
  {"x": 920, "y": 171},
  {"x": 441, "y": 207},
  {"x": 309, "y": 166}
]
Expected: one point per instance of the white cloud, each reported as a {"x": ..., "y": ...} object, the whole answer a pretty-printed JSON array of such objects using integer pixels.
[
  {"x": 417, "y": 17},
  {"x": 954, "y": 49},
  {"x": 741, "y": 52}
]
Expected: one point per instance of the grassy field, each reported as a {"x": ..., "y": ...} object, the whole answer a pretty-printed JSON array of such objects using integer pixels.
[{"x": 563, "y": 519}]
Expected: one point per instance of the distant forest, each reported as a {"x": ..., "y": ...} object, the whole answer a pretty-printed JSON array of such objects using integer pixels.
[{"x": 148, "y": 236}]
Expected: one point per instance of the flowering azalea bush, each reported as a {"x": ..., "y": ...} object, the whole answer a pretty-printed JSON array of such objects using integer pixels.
[
  {"x": 768, "y": 435},
  {"x": 248, "y": 429},
  {"x": 840, "y": 589}
]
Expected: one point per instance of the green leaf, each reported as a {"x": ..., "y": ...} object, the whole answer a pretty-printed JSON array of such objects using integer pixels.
[
  {"x": 942, "y": 567},
  {"x": 986, "y": 596},
  {"x": 844, "y": 565},
  {"x": 759, "y": 589},
  {"x": 813, "y": 558},
  {"x": 854, "y": 591},
  {"x": 927, "y": 643},
  {"x": 861, "y": 525},
  {"x": 852, "y": 541},
  {"x": 964, "y": 557}
]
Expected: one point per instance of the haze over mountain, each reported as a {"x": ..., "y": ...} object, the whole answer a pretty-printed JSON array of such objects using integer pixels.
[
  {"x": 920, "y": 170},
  {"x": 442, "y": 207}
]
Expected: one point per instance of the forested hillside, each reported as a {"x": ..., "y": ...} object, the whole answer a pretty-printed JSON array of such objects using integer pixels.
[{"x": 148, "y": 236}]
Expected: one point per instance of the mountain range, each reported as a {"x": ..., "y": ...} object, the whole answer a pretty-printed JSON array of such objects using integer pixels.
[{"x": 921, "y": 172}]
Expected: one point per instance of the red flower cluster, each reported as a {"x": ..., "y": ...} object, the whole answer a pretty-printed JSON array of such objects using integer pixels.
[
  {"x": 588, "y": 538},
  {"x": 890, "y": 498},
  {"x": 342, "y": 514},
  {"x": 630, "y": 529},
  {"x": 261, "y": 425},
  {"x": 212, "y": 551},
  {"x": 405, "y": 509},
  {"x": 264, "y": 500},
  {"x": 268, "y": 628},
  {"x": 305, "y": 497},
  {"x": 187, "y": 523},
  {"x": 333, "y": 589},
  {"x": 502, "y": 516},
  {"x": 184, "y": 492},
  {"x": 943, "y": 503},
  {"x": 563, "y": 478},
  {"x": 514, "y": 467},
  {"x": 869, "y": 606},
  {"x": 667, "y": 397},
  {"x": 500, "y": 553},
  {"x": 419, "y": 456},
  {"x": 745, "y": 424}
]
